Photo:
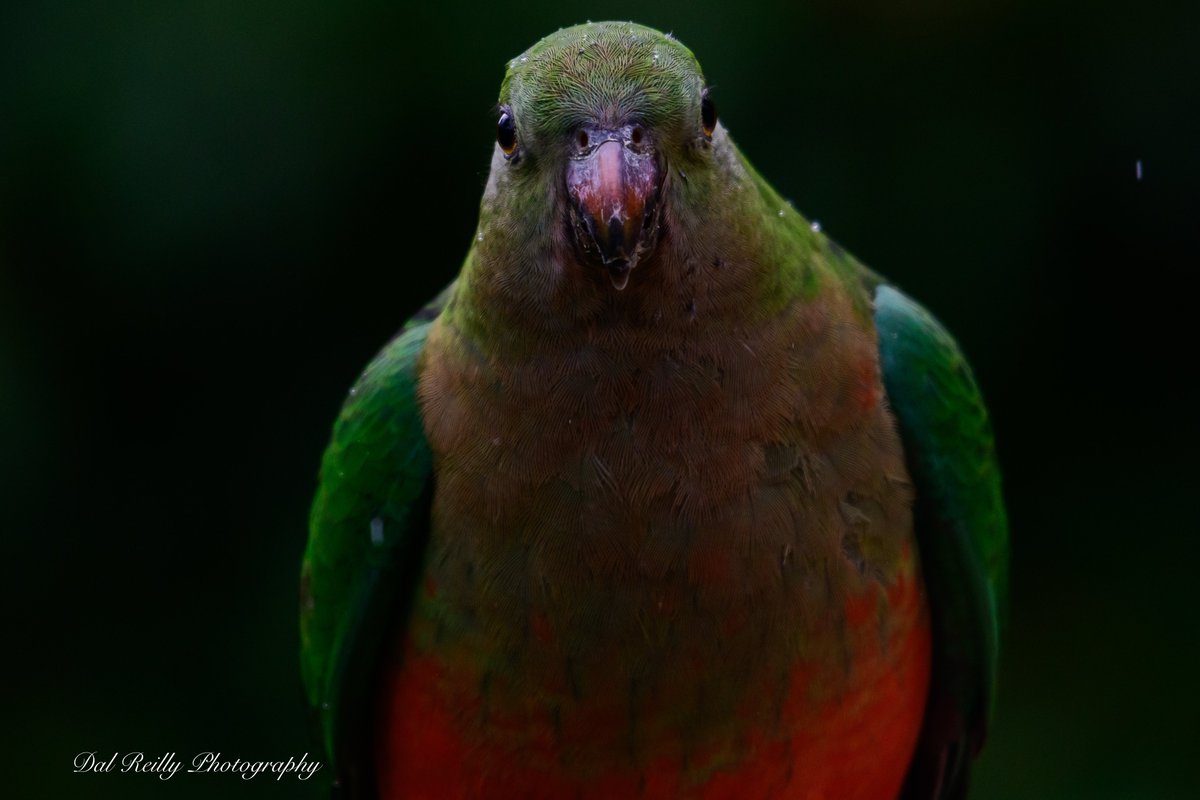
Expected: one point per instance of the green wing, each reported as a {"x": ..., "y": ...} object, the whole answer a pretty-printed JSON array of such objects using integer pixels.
[
  {"x": 367, "y": 535},
  {"x": 962, "y": 533}
]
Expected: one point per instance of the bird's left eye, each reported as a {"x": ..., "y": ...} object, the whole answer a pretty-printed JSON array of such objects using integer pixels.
[
  {"x": 708, "y": 114},
  {"x": 506, "y": 132}
]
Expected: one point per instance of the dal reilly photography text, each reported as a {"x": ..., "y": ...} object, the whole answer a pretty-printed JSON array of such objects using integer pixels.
[{"x": 168, "y": 765}]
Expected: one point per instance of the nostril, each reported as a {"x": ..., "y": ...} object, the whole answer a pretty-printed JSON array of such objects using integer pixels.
[
  {"x": 636, "y": 136},
  {"x": 582, "y": 138}
]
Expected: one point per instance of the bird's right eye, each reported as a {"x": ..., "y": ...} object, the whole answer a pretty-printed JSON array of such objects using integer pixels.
[{"x": 506, "y": 132}]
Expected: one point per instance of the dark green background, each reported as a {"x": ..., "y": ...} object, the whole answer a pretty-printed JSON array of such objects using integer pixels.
[{"x": 212, "y": 214}]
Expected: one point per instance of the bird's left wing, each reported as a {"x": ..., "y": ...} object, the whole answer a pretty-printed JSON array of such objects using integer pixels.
[{"x": 962, "y": 534}]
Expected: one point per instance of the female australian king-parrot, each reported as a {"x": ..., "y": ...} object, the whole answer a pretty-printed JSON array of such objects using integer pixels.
[{"x": 666, "y": 496}]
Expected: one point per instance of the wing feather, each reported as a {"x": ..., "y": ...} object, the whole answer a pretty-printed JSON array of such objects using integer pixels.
[
  {"x": 962, "y": 533},
  {"x": 367, "y": 534}
]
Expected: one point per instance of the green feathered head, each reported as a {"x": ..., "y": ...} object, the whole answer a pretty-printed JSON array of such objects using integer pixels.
[
  {"x": 592, "y": 122},
  {"x": 604, "y": 73}
]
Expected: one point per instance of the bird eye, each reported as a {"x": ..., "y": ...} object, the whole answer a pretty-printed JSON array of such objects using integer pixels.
[
  {"x": 506, "y": 132},
  {"x": 708, "y": 114}
]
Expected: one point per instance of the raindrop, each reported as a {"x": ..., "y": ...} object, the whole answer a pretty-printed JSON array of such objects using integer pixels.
[
  {"x": 816, "y": 226},
  {"x": 376, "y": 531},
  {"x": 1138, "y": 169},
  {"x": 781, "y": 213}
]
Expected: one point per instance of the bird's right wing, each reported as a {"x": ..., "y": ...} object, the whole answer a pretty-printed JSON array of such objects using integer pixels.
[{"x": 367, "y": 534}]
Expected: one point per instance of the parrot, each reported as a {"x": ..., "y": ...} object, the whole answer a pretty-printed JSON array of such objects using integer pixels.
[{"x": 666, "y": 495}]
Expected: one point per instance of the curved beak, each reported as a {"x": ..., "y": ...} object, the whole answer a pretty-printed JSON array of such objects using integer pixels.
[{"x": 614, "y": 191}]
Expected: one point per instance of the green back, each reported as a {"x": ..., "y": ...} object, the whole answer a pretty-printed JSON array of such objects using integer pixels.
[
  {"x": 962, "y": 533},
  {"x": 367, "y": 534}
]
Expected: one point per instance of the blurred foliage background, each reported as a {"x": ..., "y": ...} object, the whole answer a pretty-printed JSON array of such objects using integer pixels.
[{"x": 213, "y": 213}]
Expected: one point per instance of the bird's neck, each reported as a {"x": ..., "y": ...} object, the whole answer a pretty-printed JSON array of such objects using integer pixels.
[{"x": 730, "y": 253}]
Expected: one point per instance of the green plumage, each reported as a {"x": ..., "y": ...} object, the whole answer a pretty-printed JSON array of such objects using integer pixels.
[
  {"x": 962, "y": 524},
  {"x": 367, "y": 531}
]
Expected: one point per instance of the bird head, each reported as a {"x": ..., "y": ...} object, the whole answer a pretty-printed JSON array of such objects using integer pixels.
[{"x": 594, "y": 122}]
